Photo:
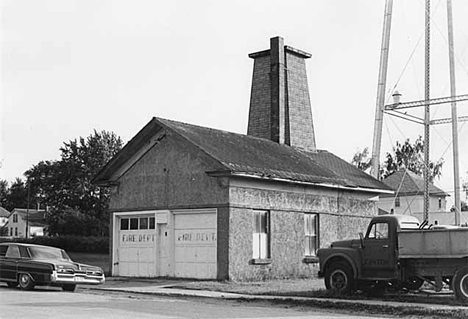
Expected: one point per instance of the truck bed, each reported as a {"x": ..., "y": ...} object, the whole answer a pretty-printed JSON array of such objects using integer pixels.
[{"x": 433, "y": 243}]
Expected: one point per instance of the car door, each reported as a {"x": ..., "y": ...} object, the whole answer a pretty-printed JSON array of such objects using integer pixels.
[
  {"x": 3, "y": 250},
  {"x": 378, "y": 255},
  {"x": 9, "y": 267}
]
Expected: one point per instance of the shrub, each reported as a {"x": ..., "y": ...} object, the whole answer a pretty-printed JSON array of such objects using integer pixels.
[{"x": 77, "y": 244}]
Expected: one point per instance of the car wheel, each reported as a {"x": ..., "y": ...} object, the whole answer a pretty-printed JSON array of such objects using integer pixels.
[
  {"x": 70, "y": 288},
  {"x": 339, "y": 278},
  {"x": 12, "y": 284},
  {"x": 25, "y": 282},
  {"x": 460, "y": 285}
]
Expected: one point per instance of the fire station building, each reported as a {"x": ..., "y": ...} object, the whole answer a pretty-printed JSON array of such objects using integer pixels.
[{"x": 195, "y": 202}]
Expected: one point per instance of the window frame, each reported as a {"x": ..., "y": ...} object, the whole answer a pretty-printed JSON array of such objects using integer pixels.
[
  {"x": 311, "y": 231},
  {"x": 261, "y": 236},
  {"x": 374, "y": 229}
]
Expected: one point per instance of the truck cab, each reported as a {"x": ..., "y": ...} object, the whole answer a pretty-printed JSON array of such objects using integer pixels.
[
  {"x": 374, "y": 256},
  {"x": 397, "y": 252}
]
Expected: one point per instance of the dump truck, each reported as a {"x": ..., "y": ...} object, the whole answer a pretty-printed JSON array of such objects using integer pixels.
[{"x": 398, "y": 252}]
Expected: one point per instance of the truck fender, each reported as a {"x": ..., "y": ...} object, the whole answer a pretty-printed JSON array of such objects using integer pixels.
[{"x": 349, "y": 256}]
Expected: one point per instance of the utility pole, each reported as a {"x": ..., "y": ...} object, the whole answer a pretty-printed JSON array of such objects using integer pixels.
[
  {"x": 27, "y": 212},
  {"x": 427, "y": 114},
  {"x": 380, "y": 104},
  {"x": 453, "y": 93},
  {"x": 396, "y": 108}
]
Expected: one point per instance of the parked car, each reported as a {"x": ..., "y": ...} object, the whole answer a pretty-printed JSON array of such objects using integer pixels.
[{"x": 30, "y": 265}]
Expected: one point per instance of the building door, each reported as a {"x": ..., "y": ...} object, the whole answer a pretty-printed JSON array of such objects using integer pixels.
[
  {"x": 195, "y": 244},
  {"x": 134, "y": 254},
  {"x": 163, "y": 250}
]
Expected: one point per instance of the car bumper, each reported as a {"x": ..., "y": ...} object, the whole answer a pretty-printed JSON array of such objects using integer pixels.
[{"x": 58, "y": 278}]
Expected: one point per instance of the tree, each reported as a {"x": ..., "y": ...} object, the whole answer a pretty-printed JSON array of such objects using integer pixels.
[
  {"x": 17, "y": 196},
  {"x": 465, "y": 186},
  {"x": 410, "y": 156},
  {"x": 361, "y": 159},
  {"x": 3, "y": 193},
  {"x": 65, "y": 185}
]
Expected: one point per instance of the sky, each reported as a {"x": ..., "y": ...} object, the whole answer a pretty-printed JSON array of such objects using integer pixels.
[{"x": 69, "y": 67}]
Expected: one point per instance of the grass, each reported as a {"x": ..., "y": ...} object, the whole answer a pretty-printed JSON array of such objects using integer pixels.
[{"x": 100, "y": 260}]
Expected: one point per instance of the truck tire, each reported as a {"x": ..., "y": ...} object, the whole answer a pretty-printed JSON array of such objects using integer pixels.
[
  {"x": 413, "y": 283},
  {"x": 460, "y": 285},
  {"x": 339, "y": 278}
]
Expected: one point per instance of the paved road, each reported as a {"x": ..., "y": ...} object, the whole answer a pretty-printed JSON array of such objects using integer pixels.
[{"x": 53, "y": 303}]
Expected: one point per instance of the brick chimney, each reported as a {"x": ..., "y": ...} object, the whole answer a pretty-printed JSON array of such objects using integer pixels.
[{"x": 279, "y": 102}]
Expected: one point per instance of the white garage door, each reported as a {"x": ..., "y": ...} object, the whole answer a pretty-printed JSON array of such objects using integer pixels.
[
  {"x": 195, "y": 241},
  {"x": 136, "y": 250}
]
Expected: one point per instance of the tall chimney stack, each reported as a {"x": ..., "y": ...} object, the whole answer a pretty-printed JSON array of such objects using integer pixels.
[{"x": 279, "y": 103}]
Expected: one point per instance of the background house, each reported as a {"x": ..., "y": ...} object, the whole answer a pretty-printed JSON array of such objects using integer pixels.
[
  {"x": 409, "y": 198},
  {"x": 26, "y": 223},
  {"x": 190, "y": 201},
  {"x": 3, "y": 221}
]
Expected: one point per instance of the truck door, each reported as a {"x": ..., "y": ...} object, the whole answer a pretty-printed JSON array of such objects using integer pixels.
[{"x": 378, "y": 252}]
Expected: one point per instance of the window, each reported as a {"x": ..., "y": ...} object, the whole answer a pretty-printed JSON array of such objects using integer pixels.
[
  {"x": 16, "y": 231},
  {"x": 261, "y": 235},
  {"x": 12, "y": 252},
  {"x": 133, "y": 223},
  {"x": 3, "y": 250},
  {"x": 15, "y": 218},
  {"x": 137, "y": 223},
  {"x": 124, "y": 224},
  {"x": 24, "y": 252},
  {"x": 11, "y": 231},
  {"x": 378, "y": 231},
  {"x": 440, "y": 203},
  {"x": 311, "y": 234},
  {"x": 397, "y": 201},
  {"x": 144, "y": 223}
]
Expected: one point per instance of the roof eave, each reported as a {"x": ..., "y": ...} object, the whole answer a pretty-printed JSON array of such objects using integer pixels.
[{"x": 285, "y": 180}]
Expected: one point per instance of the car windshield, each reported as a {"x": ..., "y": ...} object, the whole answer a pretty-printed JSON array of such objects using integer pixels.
[{"x": 48, "y": 253}]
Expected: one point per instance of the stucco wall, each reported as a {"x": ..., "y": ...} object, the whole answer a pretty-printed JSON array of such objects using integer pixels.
[
  {"x": 341, "y": 215},
  {"x": 170, "y": 175}
]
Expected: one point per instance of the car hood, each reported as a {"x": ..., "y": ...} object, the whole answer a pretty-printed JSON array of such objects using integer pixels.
[
  {"x": 65, "y": 264},
  {"x": 346, "y": 243}
]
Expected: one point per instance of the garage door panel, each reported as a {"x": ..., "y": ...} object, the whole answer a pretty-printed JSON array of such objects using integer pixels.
[
  {"x": 195, "y": 221},
  {"x": 195, "y": 244},
  {"x": 136, "y": 248}
]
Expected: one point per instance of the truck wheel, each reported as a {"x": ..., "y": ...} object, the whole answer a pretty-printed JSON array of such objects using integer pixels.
[
  {"x": 339, "y": 278},
  {"x": 25, "y": 282},
  {"x": 460, "y": 285},
  {"x": 413, "y": 283}
]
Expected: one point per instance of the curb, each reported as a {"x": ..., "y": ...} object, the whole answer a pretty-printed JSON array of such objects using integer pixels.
[{"x": 370, "y": 306}]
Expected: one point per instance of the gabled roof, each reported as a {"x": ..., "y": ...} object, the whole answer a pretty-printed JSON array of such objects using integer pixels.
[
  {"x": 407, "y": 183},
  {"x": 248, "y": 156},
  {"x": 4, "y": 212},
  {"x": 34, "y": 217}
]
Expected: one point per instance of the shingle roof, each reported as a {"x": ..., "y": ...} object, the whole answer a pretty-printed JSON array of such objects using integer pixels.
[
  {"x": 242, "y": 154},
  {"x": 4, "y": 212},
  {"x": 407, "y": 183}
]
